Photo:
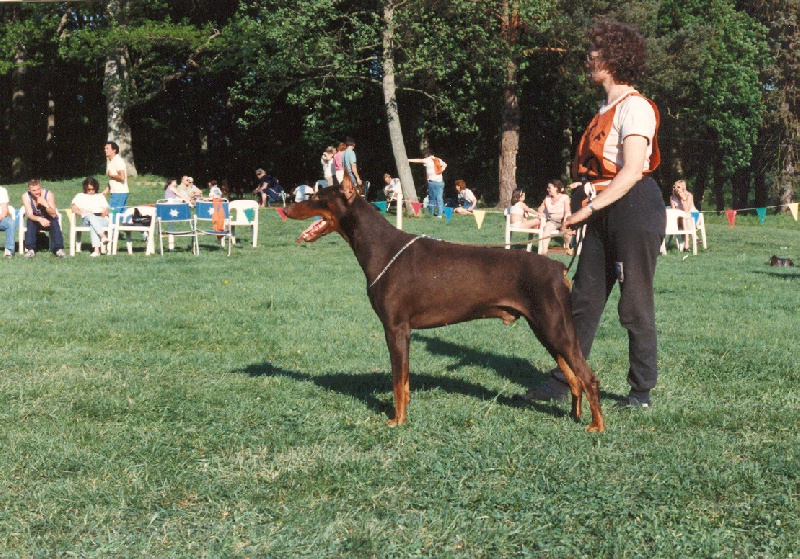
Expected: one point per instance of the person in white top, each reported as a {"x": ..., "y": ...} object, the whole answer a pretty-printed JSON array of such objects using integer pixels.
[
  {"x": 117, "y": 176},
  {"x": 7, "y": 223},
  {"x": 521, "y": 215},
  {"x": 434, "y": 167},
  {"x": 466, "y": 199},
  {"x": 93, "y": 208}
]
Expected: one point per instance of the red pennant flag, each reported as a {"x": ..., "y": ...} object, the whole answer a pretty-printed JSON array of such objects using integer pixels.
[
  {"x": 731, "y": 216},
  {"x": 416, "y": 206},
  {"x": 281, "y": 212}
]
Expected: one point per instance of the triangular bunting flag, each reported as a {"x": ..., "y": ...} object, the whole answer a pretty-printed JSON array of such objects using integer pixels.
[
  {"x": 250, "y": 214},
  {"x": 731, "y": 216},
  {"x": 793, "y": 209},
  {"x": 479, "y": 215},
  {"x": 381, "y": 206},
  {"x": 416, "y": 206},
  {"x": 695, "y": 217},
  {"x": 69, "y": 214},
  {"x": 762, "y": 213},
  {"x": 448, "y": 212},
  {"x": 281, "y": 212}
]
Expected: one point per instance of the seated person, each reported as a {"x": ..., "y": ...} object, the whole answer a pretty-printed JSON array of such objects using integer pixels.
[
  {"x": 173, "y": 192},
  {"x": 193, "y": 190},
  {"x": 521, "y": 215},
  {"x": 466, "y": 199},
  {"x": 554, "y": 210},
  {"x": 275, "y": 190},
  {"x": 7, "y": 223},
  {"x": 302, "y": 192},
  {"x": 392, "y": 188},
  {"x": 214, "y": 191},
  {"x": 42, "y": 214},
  {"x": 261, "y": 188},
  {"x": 93, "y": 208},
  {"x": 683, "y": 200}
]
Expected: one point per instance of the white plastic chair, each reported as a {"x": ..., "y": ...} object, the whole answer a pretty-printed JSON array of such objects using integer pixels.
[
  {"x": 700, "y": 227},
  {"x": 517, "y": 228},
  {"x": 677, "y": 231},
  {"x": 171, "y": 213},
  {"x": 76, "y": 230},
  {"x": 22, "y": 225},
  {"x": 204, "y": 214},
  {"x": 124, "y": 225},
  {"x": 239, "y": 217}
]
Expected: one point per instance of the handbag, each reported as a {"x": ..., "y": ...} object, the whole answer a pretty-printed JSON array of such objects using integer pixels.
[{"x": 140, "y": 220}]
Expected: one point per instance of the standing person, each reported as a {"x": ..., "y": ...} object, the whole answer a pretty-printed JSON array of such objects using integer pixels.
[
  {"x": 466, "y": 199},
  {"x": 117, "y": 176},
  {"x": 553, "y": 211},
  {"x": 434, "y": 167},
  {"x": 338, "y": 166},
  {"x": 349, "y": 162},
  {"x": 625, "y": 222},
  {"x": 7, "y": 224},
  {"x": 41, "y": 211},
  {"x": 328, "y": 170},
  {"x": 93, "y": 208}
]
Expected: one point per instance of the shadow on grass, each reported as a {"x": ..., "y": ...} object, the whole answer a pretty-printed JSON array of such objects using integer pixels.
[
  {"x": 783, "y": 275},
  {"x": 366, "y": 386}
]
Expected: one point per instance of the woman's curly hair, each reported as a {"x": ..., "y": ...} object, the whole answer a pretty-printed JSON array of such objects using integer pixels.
[{"x": 622, "y": 50}]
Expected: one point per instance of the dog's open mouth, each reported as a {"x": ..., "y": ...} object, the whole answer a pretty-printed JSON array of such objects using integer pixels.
[{"x": 314, "y": 231}]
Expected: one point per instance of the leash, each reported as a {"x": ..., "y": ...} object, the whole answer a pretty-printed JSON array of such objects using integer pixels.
[{"x": 399, "y": 252}]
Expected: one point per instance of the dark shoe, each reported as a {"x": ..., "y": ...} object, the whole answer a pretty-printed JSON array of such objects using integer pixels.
[
  {"x": 632, "y": 403},
  {"x": 544, "y": 393}
]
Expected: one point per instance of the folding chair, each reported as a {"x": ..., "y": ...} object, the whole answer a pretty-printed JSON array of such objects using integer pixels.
[
  {"x": 244, "y": 213},
  {"x": 204, "y": 212},
  {"x": 76, "y": 230},
  {"x": 124, "y": 224},
  {"x": 171, "y": 213}
]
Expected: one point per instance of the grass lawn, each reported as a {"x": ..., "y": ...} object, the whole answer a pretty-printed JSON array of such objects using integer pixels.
[{"x": 208, "y": 406}]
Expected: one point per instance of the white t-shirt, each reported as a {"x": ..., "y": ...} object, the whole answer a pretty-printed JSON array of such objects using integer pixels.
[
  {"x": 115, "y": 165},
  {"x": 429, "y": 169},
  {"x": 634, "y": 117},
  {"x": 90, "y": 203},
  {"x": 3, "y": 195}
]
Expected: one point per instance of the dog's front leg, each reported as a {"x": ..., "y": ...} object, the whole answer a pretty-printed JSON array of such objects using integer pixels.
[{"x": 398, "y": 339}]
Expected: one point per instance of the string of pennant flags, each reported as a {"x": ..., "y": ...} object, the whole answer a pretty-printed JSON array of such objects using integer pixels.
[{"x": 479, "y": 215}]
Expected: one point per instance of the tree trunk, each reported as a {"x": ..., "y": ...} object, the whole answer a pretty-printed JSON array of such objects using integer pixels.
[
  {"x": 390, "y": 102},
  {"x": 510, "y": 115},
  {"x": 20, "y": 121},
  {"x": 115, "y": 85},
  {"x": 115, "y": 82}
]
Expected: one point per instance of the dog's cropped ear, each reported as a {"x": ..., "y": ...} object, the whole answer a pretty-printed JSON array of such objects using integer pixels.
[{"x": 349, "y": 189}]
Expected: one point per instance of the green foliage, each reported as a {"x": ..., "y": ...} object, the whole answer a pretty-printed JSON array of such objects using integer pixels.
[
  {"x": 706, "y": 75},
  {"x": 234, "y": 407}
]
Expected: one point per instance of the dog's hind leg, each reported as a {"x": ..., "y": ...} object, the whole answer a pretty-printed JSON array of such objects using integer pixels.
[
  {"x": 584, "y": 381},
  {"x": 398, "y": 339}
]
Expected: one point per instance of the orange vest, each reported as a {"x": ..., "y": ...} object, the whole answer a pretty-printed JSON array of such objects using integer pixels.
[{"x": 589, "y": 161}]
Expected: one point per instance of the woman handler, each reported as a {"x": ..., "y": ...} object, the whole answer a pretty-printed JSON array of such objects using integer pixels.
[{"x": 626, "y": 220}]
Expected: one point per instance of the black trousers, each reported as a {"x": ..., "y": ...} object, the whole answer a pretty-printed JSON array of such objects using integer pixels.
[{"x": 622, "y": 244}]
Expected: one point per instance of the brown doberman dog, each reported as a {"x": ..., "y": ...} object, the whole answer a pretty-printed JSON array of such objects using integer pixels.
[{"x": 418, "y": 282}]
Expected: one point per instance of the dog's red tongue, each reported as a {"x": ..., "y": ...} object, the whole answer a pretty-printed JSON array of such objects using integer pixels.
[{"x": 312, "y": 232}]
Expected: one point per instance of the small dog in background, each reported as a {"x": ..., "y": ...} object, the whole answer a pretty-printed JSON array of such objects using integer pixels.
[{"x": 777, "y": 261}]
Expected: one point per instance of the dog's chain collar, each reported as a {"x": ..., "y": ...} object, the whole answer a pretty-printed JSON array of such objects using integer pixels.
[{"x": 399, "y": 252}]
